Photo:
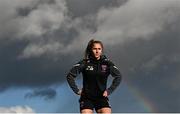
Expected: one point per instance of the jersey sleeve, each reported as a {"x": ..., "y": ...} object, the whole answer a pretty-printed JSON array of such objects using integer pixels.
[
  {"x": 115, "y": 73},
  {"x": 73, "y": 73}
]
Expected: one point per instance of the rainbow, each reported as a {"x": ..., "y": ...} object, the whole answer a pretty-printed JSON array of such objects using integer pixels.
[{"x": 145, "y": 102}]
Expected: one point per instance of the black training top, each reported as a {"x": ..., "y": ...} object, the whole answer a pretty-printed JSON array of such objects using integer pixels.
[{"x": 95, "y": 74}]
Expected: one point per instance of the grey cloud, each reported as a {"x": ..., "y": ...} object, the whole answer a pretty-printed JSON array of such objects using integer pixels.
[
  {"x": 40, "y": 22},
  {"x": 37, "y": 23},
  {"x": 81, "y": 26},
  {"x": 17, "y": 109},
  {"x": 136, "y": 19},
  {"x": 47, "y": 94},
  {"x": 34, "y": 21},
  {"x": 3, "y": 88},
  {"x": 35, "y": 72},
  {"x": 79, "y": 8},
  {"x": 44, "y": 64},
  {"x": 38, "y": 19},
  {"x": 9, "y": 16},
  {"x": 149, "y": 66},
  {"x": 28, "y": 53}
]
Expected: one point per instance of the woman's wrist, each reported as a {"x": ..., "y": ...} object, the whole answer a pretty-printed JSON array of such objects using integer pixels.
[{"x": 79, "y": 92}]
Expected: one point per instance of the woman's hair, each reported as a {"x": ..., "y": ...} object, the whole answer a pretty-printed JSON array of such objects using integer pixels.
[{"x": 88, "y": 51}]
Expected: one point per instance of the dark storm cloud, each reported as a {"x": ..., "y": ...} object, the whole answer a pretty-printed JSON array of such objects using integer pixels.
[
  {"x": 38, "y": 37},
  {"x": 32, "y": 72},
  {"x": 79, "y": 8},
  {"x": 47, "y": 94},
  {"x": 152, "y": 66}
]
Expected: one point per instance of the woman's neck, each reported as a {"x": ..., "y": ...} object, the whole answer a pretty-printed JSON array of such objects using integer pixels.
[
  {"x": 98, "y": 58},
  {"x": 94, "y": 58}
]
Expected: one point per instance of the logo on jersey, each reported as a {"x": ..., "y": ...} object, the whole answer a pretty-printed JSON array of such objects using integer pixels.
[
  {"x": 89, "y": 68},
  {"x": 103, "y": 68}
]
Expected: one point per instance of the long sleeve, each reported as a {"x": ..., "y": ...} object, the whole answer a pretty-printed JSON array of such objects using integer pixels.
[
  {"x": 74, "y": 72},
  {"x": 115, "y": 73}
]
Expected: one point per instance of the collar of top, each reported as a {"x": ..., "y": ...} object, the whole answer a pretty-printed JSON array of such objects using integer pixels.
[{"x": 102, "y": 57}]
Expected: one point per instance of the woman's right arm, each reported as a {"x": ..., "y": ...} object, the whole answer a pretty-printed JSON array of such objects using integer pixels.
[{"x": 74, "y": 72}]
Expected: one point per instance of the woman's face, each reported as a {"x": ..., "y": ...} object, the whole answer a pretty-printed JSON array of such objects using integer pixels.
[{"x": 97, "y": 50}]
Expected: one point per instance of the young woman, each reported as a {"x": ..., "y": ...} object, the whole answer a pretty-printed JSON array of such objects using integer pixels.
[{"x": 95, "y": 69}]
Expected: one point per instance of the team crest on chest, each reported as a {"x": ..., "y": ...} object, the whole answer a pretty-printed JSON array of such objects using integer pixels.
[
  {"x": 89, "y": 68},
  {"x": 104, "y": 68}
]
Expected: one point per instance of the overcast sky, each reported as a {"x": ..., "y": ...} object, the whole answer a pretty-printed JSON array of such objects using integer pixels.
[{"x": 40, "y": 40}]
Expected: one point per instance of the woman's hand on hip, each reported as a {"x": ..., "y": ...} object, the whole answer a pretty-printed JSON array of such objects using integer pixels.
[
  {"x": 80, "y": 92},
  {"x": 105, "y": 94}
]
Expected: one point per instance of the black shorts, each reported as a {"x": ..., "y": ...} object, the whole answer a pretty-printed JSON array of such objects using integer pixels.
[{"x": 93, "y": 103}]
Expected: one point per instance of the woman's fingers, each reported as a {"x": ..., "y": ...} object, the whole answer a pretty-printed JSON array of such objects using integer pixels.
[{"x": 105, "y": 94}]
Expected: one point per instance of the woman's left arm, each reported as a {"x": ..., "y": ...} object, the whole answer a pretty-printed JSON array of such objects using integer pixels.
[{"x": 115, "y": 73}]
